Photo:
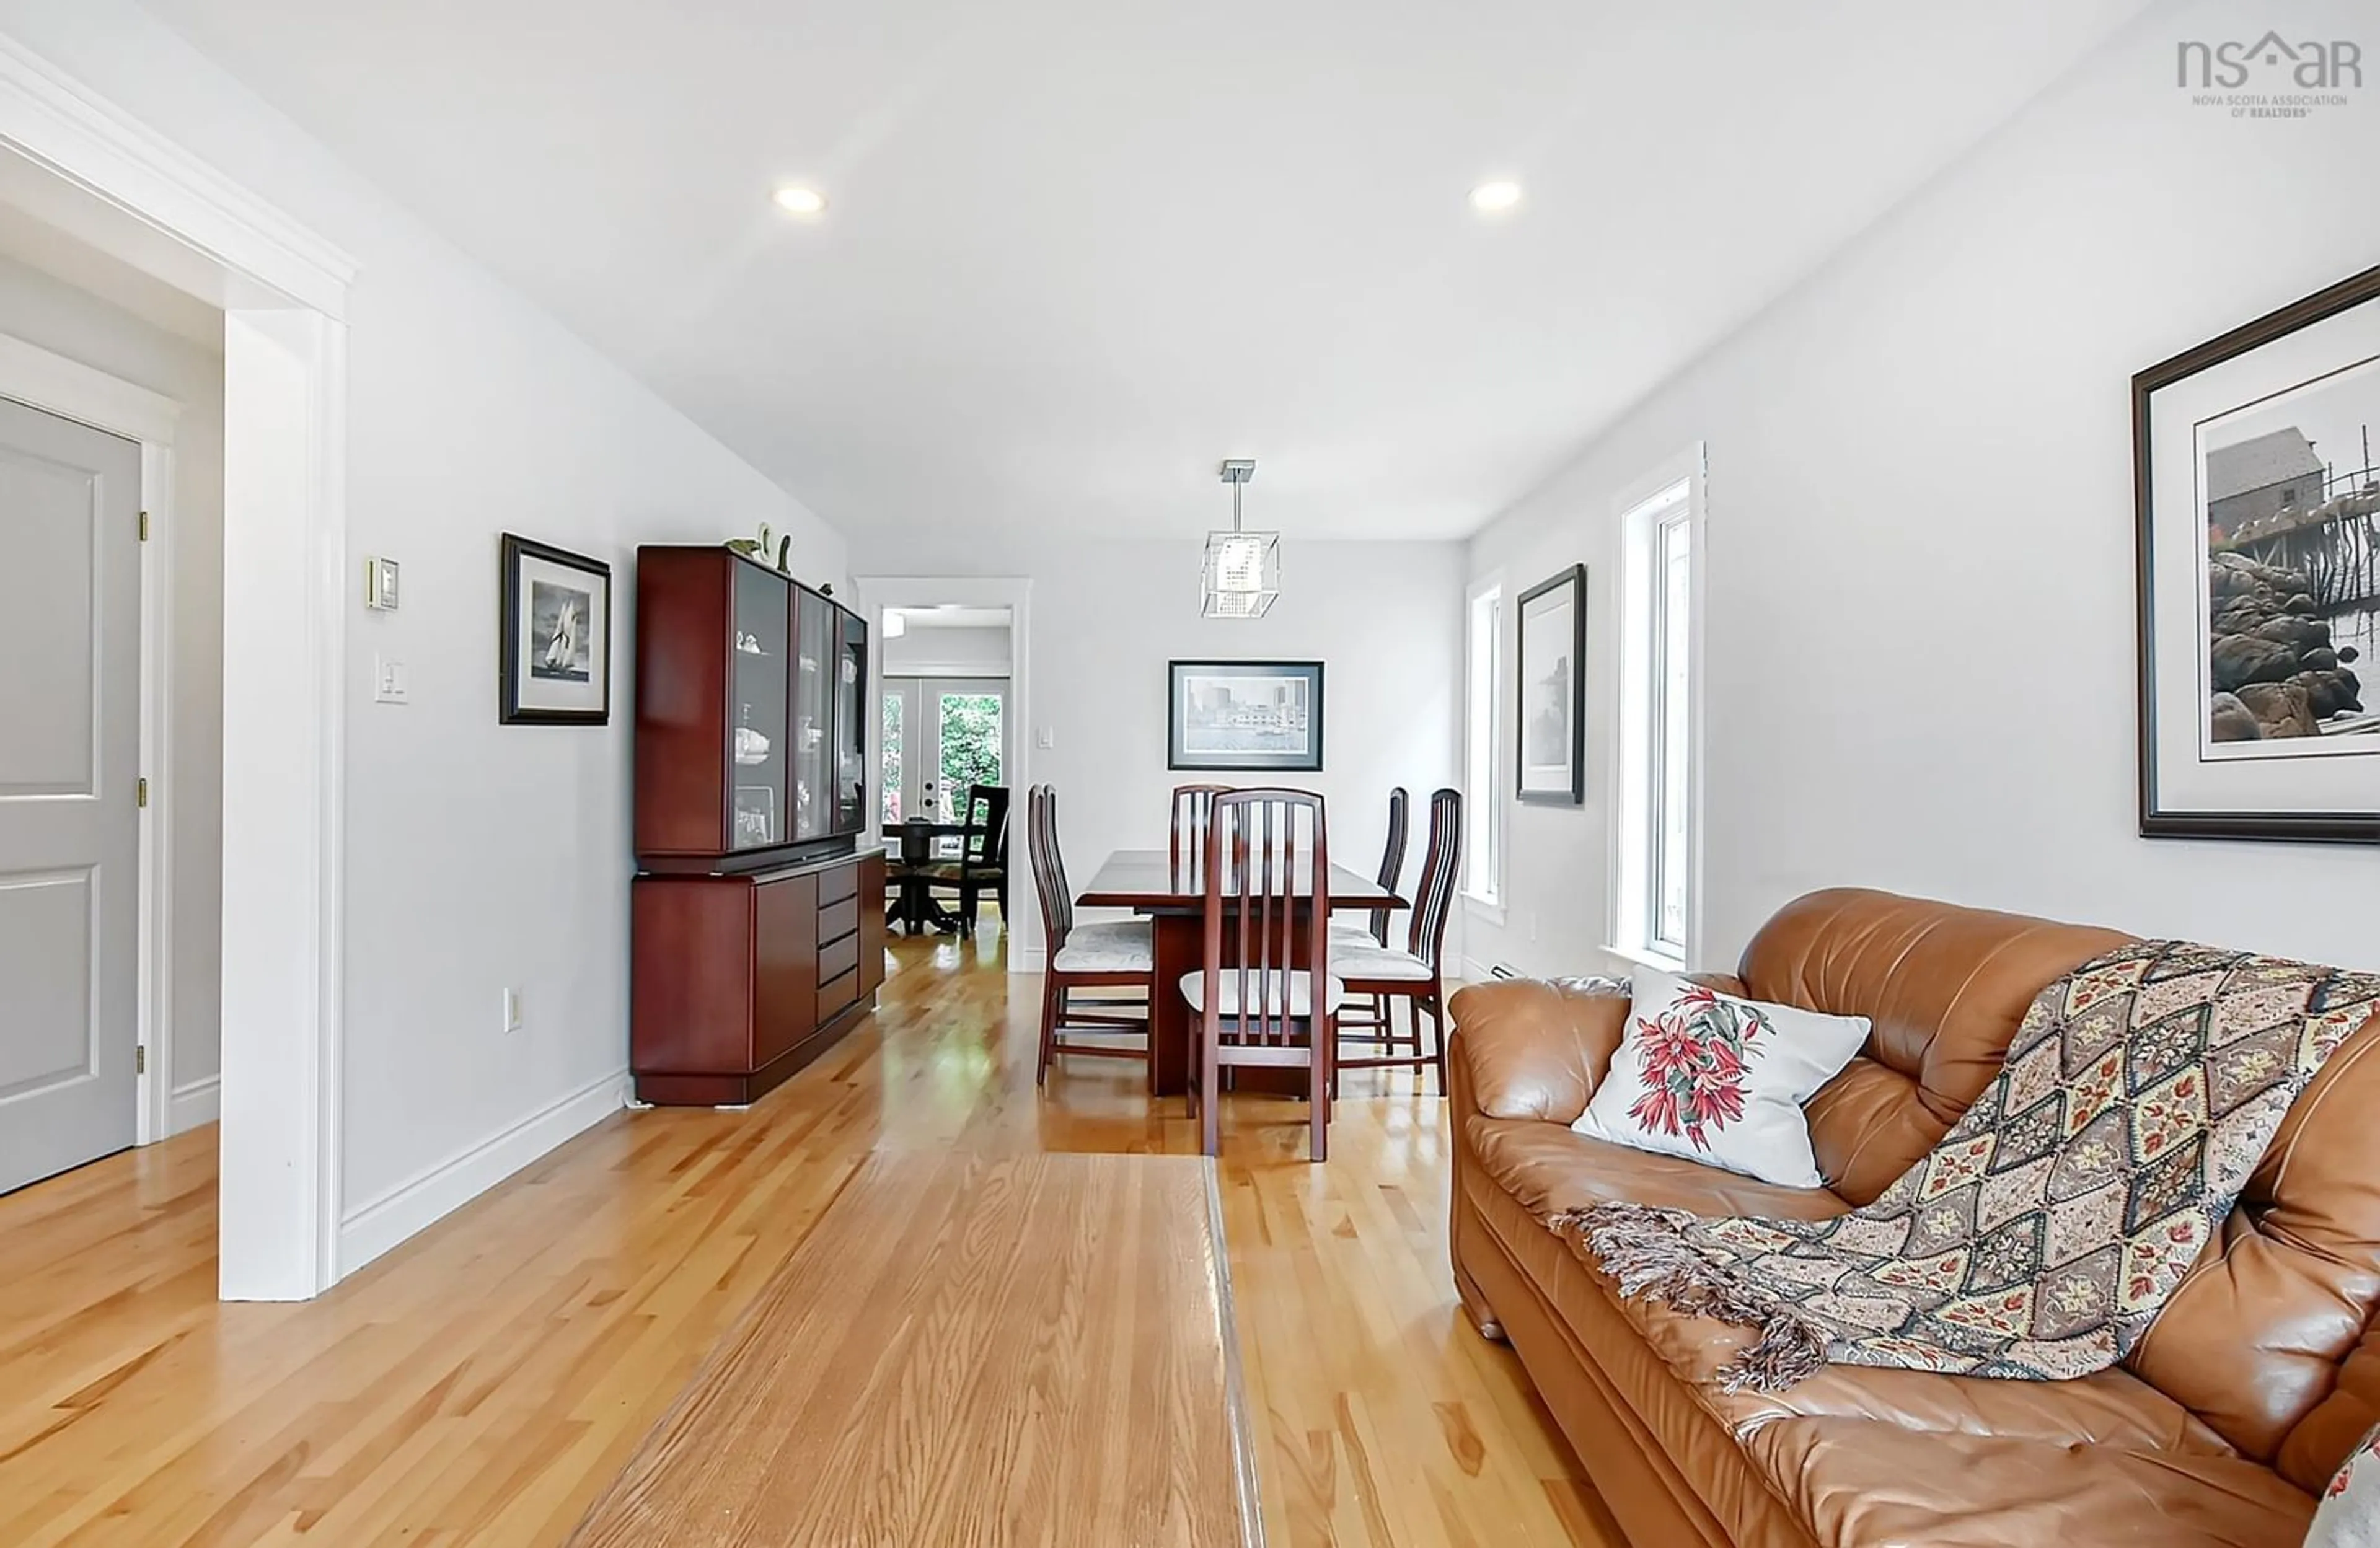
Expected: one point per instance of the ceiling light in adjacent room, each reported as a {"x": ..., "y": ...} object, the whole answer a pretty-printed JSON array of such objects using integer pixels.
[
  {"x": 798, "y": 200},
  {"x": 1242, "y": 573},
  {"x": 1496, "y": 198},
  {"x": 896, "y": 624}
]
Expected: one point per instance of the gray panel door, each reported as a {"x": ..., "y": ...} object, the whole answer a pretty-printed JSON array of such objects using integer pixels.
[{"x": 69, "y": 824}]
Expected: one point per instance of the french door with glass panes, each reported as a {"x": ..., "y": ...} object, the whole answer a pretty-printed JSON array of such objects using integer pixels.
[{"x": 941, "y": 734}]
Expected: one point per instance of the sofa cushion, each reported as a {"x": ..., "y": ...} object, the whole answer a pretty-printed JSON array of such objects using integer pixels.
[
  {"x": 1549, "y": 1169},
  {"x": 1867, "y": 1483},
  {"x": 1945, "y": 988}
]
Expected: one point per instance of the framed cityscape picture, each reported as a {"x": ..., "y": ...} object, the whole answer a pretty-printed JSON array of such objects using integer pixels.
[
  {"x": 1552, "y": 723},
  {"x": 556, "y": 645},
  {"x": 1245, "y": 715},
  {"x": 2257, "y": 501}
]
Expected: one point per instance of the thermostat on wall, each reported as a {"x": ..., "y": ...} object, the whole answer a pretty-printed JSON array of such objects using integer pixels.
[{"x": 380, "y": 584}]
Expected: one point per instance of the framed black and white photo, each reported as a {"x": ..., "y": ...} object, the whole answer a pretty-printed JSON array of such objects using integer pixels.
[
  {"x": 2257, "y": 499},
  {"x": 1551, "y": 724},
  {"x": 1245, "y": 715},
  {"x": 556, "y": 648}
]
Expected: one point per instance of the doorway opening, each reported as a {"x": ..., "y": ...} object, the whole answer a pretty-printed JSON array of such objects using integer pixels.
[
  {"x": 945, "y": 726},
  {"x": 127, "y": 215},
  {"x": 951, "y": 753}
]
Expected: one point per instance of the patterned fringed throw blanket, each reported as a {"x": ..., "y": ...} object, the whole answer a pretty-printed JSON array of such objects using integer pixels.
[{"x": 2041, "y": 1238}]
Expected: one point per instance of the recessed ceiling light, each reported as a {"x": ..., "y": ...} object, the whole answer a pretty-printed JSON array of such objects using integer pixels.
[
  {"x": 1494, "y": 199},
  {"x": 795, "y": 200}
]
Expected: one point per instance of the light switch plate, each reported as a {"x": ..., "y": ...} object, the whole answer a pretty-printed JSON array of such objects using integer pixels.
[
  {"x": 388, "y": 680},
  {"x": 1045, "y": 738},
  {"x": 512, "y": 1010}
]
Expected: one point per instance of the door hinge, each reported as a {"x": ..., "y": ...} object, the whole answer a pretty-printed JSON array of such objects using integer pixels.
[
  {"x": 141, "y": 792},
  {"x": 141, "y": 1059},
  {"x": 144, "y": 526}
]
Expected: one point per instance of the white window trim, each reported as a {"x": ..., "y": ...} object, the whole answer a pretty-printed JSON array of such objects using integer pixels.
[
  {"x": 1632, "y": 934},
  {"x": 1489, "y": 803}
]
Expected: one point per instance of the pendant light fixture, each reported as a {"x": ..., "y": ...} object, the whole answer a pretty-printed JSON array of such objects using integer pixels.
[{"x": 1241, "y": 575}]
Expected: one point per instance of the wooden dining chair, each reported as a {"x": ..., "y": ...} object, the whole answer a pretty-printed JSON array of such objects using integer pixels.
[
  {"x": 1368, "y": 1020},
  {"x": 1416, "y": 975},
  {"x": 1267, "y": 910},
  {"x": 1194, "y": 808},
  {"x": 982, "y": 864},
  {"x": 1120, "y": 954}
]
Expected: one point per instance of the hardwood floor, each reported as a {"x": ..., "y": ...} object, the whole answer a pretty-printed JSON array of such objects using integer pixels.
[{"x": 486, "y": 1382}]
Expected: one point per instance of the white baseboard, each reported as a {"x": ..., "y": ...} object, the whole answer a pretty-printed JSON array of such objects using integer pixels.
[
  {"x": 200, "y": 1101},
  {"x": 414, "y": 1205},
  {"x": 1027, "y": 959}
]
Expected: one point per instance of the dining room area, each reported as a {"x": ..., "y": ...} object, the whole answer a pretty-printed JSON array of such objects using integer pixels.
[
  {"x": 1212, "y": 857},
  {"x": 1201, "y": 966}
]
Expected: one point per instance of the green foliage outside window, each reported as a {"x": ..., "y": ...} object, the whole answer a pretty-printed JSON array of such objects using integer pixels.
[{"x": 970, "y": 748}]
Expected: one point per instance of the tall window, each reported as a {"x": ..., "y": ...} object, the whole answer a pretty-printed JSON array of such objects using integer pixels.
[
  {"x": 1483, "y": 858},
  {"x": 1671, "y": 736},
  {"x": 1653, "y": 838}
]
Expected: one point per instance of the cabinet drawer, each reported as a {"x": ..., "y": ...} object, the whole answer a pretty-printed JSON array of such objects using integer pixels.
[
  {"x": 836, "y": 885},
  {"x": 838, "y": 959},
  {"x": 836, "y": 996},
  {"x": 838, "y": 920}
]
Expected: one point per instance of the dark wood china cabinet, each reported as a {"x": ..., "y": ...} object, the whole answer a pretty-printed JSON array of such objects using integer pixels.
[{"x": 757, "y": 918}]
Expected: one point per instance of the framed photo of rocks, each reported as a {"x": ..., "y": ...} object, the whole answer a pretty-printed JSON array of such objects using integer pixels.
[{"x": 2257, "y": 487}]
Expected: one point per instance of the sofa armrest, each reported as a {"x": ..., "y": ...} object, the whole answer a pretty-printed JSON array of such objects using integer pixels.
[{"x": 1535, "y": 1049}]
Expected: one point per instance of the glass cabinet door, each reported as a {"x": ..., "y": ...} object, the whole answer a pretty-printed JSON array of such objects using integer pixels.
[
  {"x": 816, "y": 646},
  {"x": 850, "y": 725},
  {"x": 758, "y": 747}
]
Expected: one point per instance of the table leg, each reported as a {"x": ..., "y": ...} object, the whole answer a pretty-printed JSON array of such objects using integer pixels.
[{"x": 1177, "y": 942}]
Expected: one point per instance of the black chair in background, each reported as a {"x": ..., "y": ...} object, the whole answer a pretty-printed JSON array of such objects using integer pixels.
[{"x": 982, "y": 864}]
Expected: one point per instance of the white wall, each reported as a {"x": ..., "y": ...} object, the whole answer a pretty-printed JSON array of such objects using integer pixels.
[
  {"x": 479, "y": 856},
  {"x": 1921, "y": 648},
  {"x": 1106, "y": 617},
  {"x": 954, "y": 652},
  {"x": 72, "y": 321}
]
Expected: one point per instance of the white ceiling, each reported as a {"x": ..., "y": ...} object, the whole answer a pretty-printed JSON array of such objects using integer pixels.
[{"x": 1081, "y": 251}]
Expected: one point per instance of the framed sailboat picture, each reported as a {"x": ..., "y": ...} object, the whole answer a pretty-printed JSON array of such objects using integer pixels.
[{"x": 556, "y": 648}]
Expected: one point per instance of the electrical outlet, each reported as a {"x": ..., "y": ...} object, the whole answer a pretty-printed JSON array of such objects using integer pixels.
[{"x": 512, "y": 1010}]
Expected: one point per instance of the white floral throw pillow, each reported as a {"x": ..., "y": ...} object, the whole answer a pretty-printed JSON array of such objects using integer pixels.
[
  {"x": 1722, "y": 1080},
  {"x": 2348, "y": 1515}
]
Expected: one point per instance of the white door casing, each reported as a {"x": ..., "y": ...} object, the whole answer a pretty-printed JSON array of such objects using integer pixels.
[
  {"x": 286, "y": 291},
  {"x": 69, "y": 764}
]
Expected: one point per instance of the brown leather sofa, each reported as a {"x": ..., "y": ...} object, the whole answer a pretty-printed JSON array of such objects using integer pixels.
[{"x": 2217, "y": 1430}]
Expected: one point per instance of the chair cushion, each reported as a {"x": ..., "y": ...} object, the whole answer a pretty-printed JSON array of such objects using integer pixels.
[
  {"x": 1113, "y": 946},
  {"x": 1300, "y": 996},
  {"x": 1373, "y": 961},
  {"x": 952, "y": 871},
  {"x": 1353, "y": 935}
]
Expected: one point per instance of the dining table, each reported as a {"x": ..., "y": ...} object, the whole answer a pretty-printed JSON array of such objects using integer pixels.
[
  {"x": 1169, "y": 890},
  {"x": 917, "y": 907}
]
